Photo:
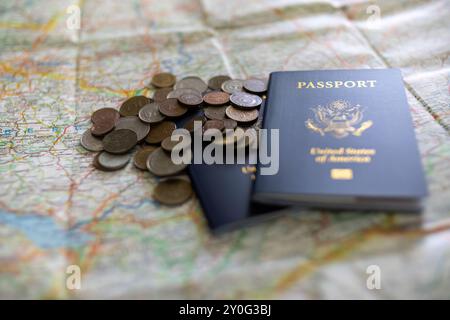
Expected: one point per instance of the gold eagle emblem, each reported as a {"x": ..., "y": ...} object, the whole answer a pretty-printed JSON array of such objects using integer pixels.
[{"x": 339, "y": 118}]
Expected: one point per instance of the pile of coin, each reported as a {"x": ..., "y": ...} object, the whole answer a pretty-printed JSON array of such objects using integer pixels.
[{"x": 221, "y": 103}]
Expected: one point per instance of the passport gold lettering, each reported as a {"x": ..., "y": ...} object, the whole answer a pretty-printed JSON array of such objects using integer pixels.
[
  {"x": 342, "y": 155},
  {"x": 336, "y": 84}
]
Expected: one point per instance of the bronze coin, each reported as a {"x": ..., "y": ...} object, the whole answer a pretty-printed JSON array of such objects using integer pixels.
[
  {"x": 171, "y": 108},
  {"x": 105, "y": 161},
  {"x": 163, "y": 80},
  {"x": 131, "y": 106},
  {"x": 102, "y": 127},
  {"x": 245, "y": 100},
  {"x": 97, "y": 164},
  {"x": 161, "y": 94},
  {"x": 189, "y": 125},
  {"x": 105, "y": 115},
  {"x": 134, "y": 124},
  {"x": 215, "y": 83},
  {"x": 160, "y": 131},
  {"x": 242, "y": 115},
  {"x": 213, "y": 124},
  {"x": 168, "y": 144},
  {"x": 110, "y": 162},
  {"x": 141, "y": 156},
  {"x": 190, "y": 100},
  {"x": 215, "y": 113},
  {"x": 216, "y": 98},
  {"x": 160, "y": 164},
  {"x": 172, "y": 191},
  {"x": 119, "y": 141},
  {"x": 232, "y": 86},
  {"x": 256, "y": 86},
  {"x": 91, "y": 143},
  {"x": 229, "y": 124}
]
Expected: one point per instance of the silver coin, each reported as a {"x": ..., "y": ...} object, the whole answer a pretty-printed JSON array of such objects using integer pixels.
[
  {"x": 150, "y": 113},
  {"x": 175, "y": 94},
  {"x": 113, "y": 161},
  {"x": 245, "y": 100},
  {"x": 255, "y": 86},
  {"x": 91, "y": 143},
  {"x": 133, "y": 123},
  {"x": 192, "y": 83},
  {"x": 160, "y": 164},
  {"x": 232, "y": 86}
]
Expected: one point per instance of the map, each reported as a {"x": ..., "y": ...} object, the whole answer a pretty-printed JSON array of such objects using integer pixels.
[{"x": 62, "y": 59}]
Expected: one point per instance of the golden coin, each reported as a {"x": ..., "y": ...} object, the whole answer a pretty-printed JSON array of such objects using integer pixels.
[
  {"x": 131, "y": 106},
  {"x": 171, "y": 108},
  {"x": 160, "y": 164},
  {"x": 160, "y": 131},
  {"x": 163, "y": 80},
  {"x": 173, "y": 191},
  {"x": 140, "y": 158},
  {"x": 168, "y": 144},
  {"x": 215, "y": 83}
]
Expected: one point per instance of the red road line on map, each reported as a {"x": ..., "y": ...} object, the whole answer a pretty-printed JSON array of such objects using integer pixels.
[{"x": 59, "y": 137}]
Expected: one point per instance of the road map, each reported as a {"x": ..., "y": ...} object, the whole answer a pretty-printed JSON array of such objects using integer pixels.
[{"x": 57, "y": 211}]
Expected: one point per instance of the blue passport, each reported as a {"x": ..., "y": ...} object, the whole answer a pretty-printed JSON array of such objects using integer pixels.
[{"x": 346, "y": 140}]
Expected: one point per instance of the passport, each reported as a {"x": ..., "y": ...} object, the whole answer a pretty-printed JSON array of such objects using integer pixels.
[{"x": 346, "y": 140}]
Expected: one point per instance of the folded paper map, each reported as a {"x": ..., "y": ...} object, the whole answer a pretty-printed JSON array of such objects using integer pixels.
[{"x": 60, "y": 218}]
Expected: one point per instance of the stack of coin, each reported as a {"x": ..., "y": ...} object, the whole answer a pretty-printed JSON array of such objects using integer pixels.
[{"x": 221, "y": 103}]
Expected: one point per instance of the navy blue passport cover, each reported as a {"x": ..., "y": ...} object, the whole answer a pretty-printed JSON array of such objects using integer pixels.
[
  {"x": 359, "y": 115},
  {"x": 225, "y": 195}
]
